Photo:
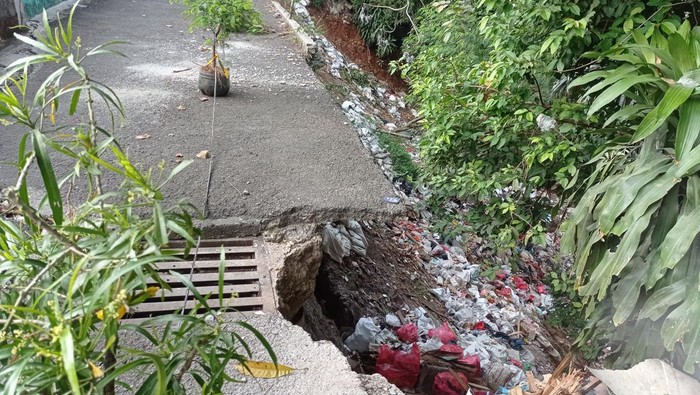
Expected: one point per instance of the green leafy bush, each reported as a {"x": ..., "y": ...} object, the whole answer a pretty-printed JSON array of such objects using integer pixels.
[
  {"x": 67, "y": 280},
  {"x": 225, "y": 16},
  {"x": 482, "y": 73},
  {"x": 635, "y": 231}
]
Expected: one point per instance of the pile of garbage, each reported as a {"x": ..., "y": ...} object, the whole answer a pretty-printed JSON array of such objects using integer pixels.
[{"x": 484, "y": 345}]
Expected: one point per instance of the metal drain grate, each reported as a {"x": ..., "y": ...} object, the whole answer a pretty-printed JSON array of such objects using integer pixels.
[{"x": 246, "y": 279}]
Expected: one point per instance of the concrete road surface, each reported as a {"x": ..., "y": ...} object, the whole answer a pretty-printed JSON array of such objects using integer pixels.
[{"x": 282, "y": 151}]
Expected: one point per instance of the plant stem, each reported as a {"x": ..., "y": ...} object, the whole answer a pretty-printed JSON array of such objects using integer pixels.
[
  {"x": 93, "y": 135},
  {"x": 110, "y": 362},
  {"x": 186, "y": 366}
]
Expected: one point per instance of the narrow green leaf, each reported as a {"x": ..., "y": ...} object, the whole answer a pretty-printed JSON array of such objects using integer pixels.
[
  {"x": 68, "y": 357},
  {"x": 161, "y": 232},
  {"x": 617, "y": 89},
  {"x": 192, "y": 289},
  {"x": 36, "y": 44},
  {"x": 53, "y": 193},
  {"x": 262, "y": 340},
  {"x": 675, "y": 96},
  {"x": 75, "y": 99}
]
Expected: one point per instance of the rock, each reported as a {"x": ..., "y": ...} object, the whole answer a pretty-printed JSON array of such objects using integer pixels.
[
  {"x": 390, "y": 126},
  {"x": 376, "y": 384}
]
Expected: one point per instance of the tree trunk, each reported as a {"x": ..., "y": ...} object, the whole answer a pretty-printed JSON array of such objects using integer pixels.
[{"x": 8, "y": 18}]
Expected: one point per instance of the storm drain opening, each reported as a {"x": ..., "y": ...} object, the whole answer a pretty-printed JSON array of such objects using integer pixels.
[{"x": 246, "y": 281}]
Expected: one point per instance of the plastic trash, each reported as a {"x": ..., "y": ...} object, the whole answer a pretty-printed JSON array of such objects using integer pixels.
[
  {"x": 425, "y": 324},
  {"x": 431, "y": 344},
  {"x": 444, "y": 333},
  {"x": 385, "y": 337},
  {"x": 448, "y": 383},
  {"x": 451, "y": 349},
  {"x": 398, "y": 367},
  {"x": 392, "y": 320},
  {"x": 408, "y": 333},
  {"x": 365, "y": 331},
  {"x": 479, "y": 326}
]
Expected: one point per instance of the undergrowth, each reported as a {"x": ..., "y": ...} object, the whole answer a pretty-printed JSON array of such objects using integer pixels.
[{"x": 403, "y": 165}]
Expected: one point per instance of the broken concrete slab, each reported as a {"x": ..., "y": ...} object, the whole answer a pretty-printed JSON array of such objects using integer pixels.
[{"x": 320, "y": 368}]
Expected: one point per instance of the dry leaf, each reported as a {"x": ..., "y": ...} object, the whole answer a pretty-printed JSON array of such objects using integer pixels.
[
  {"x": 263, "y": 370},
  {"x": 204, "y": 154},
  {"x": 143, "y": 136},
  {"x": 96, "y": 371},
  {"x": 181, "y": 108}
]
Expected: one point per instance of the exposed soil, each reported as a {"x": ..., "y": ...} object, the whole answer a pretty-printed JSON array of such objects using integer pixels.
[
  {"x": 339, "y": 29},
  {"x": 386, "y": 280}
]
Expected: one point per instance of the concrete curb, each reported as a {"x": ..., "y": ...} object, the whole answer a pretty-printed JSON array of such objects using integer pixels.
[{"x": 306, "y": 41}]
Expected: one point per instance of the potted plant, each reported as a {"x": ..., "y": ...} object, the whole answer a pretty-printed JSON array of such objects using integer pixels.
[{"x": 221, "y": 18}]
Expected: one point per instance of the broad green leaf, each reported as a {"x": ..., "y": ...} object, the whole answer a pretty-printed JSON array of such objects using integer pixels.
[
  {"x": 614, "y": 262},
  {"x": 618, "y": 198},
  {"x": 691, "y": 341},
  {"x": 649, "y": 194},
  {"x": 679, "y": 239},
  {"x": 612, "y": 76},
  {"x": 626, "y": 292},
  {"x": 690, "y": 164},
  {"x": 617, "y": 89},
  {"x": 681, "y": 320},
  {"x": 688, "y": 128},
  {"x": 625, "y": 112},
  {"x": 675, "y": 96},
  {"x": 662, "y": 299},
  {"x": 53, "y": 193},
  {"x": 681, "y": 52},
  {"x": 68, "y": 357}
]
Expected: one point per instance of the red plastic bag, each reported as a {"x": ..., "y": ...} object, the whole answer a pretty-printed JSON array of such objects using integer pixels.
[
  {"x": 474, "y": 362},
  {"x": 520, "y": 283},
  {"x": 479, "y": 326},
  {"x": 451, "y": 349},
  {"x": 447, "y": 384},
  {"x": 398, "y": 367},
  {"x": 408, "y": 333},
  {"x": 444, "y": 333}
]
